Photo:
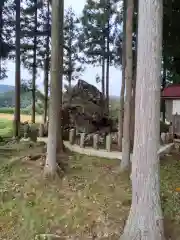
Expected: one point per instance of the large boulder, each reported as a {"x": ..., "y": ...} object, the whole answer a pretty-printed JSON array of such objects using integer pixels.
[
  {"x": 84, "y": 109},
  {"x": 85, "y": 104}
]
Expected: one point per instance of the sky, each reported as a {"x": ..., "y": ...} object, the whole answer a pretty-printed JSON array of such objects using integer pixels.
[{"x": 88, "y": 75}]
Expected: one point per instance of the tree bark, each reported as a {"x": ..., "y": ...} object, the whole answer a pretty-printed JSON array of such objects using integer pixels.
[
  {"x": 34, "y": 66},
  {"x": 121, "y": 107},
  {"x": 103, "y": 69},
  {"x": 107, "y": 86},
  {"x": 17, "y": 74},
  {"x": 46, "y": 68},
  {"x": 125, "y": 163},
  {"x": 145, "y": 221},
  {"x": 163, "y": 86},
  {"x": 55, "y": 87},
  {"x": 133, "y": 104},
  {"x": 107, "y": 42},
  {"x": 70, "y": 52}
]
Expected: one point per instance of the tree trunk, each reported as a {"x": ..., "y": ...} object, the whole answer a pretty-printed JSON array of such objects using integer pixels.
[
  {"x": 163, "y": 86},
  {"x": 17, "y": 74},
  {"x": 34, "y": 66},
  {"x": 46, "y": 68},
  {"x": 70, "y": 63},
  {"x": 125, "y": 163},
  {"x": 46, "y": 83},
  {"x": 107, "y": 69},
  {"x": 121, "y": 107},
  {"x": 145, "y": 221},
  {"x": 133, "y": 104},
  {"x": 55, "y": 87},
  {"x": 103, "y": 69}
]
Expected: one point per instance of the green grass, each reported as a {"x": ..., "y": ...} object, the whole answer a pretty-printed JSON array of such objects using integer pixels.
[
  {"x": 91, "y": 198},
  {"x": 6, "y": 129}
]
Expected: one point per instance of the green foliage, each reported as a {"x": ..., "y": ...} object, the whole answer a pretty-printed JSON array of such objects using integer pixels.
[
  {"x": 101, "y": 24},
  {"x": 72, "y": 61}
]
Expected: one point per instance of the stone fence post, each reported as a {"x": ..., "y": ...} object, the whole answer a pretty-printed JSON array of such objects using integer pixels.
[
  {"x": 72, "y": 136},
  {"x": 108, "y": 142},
  {"x": 82, "y": 140}
]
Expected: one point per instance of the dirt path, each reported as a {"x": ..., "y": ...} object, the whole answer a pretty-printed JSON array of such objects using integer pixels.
[{"x": 23, "y": 117}]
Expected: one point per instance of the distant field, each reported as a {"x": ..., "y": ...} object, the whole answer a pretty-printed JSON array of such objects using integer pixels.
[{"x": 23, "y": 117}]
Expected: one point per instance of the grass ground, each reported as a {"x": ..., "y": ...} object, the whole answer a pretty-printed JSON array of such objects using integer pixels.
[
  {"x": 90, "y": 202},
  {"x": 92, "y": 199},
  {"x": 5, "y": 127}
]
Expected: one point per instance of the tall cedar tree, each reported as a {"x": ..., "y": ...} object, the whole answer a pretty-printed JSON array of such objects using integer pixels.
[
  {"x": 100, "y": 23},
  {"x": 126, "y": 146},
  {"x": 17, "y": 72},
  {"x": 46, "y": 59},
  {"x": 73, "y": 64},
  {"x": 5, "y": 34},
  {"x": 55, "y": 115},
  {"x": 145, "y": 221}
]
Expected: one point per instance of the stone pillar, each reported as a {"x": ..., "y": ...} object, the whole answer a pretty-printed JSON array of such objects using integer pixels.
[
  {"x": 171, "y": 133},
  {"x": 108, "y": 142},
  {"x": 41, "y": 130},
  {"x": 163, "y": 137},
  {"x": 72, "y": 136},
  {"x": 95, "y": 141},
  {"x": 46, "y": 129},
  {"x": 167, "y": 138},
  {"x": 82, "y": 140},
  {"x": 26, "y": 130}
]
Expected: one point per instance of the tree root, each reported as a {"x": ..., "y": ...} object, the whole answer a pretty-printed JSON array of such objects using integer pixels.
[{"x": 52, "y": 174}]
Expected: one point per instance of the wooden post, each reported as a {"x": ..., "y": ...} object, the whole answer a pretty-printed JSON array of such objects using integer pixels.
[
  {"x": 72, "y": 136},
  {"x": 82, "y": 140},
  {"x": 95, "y": 141},
  {"x": 108, "y": 142}
]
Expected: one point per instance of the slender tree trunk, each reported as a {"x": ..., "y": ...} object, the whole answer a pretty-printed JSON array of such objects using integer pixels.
[
  {"x": 163, "y": 86},
  {"x": 17, "y": 73},
  {"x": 133, "y": 105},
  {"x": 103, "y": 69},
  {"x": 34, "y": 66},
  {"x": 145, "y": 221},
  {"x": 107, "y": 84},
  {"x": 103, "y": 76},
  {"x": 125, "y": 163},
  {"x": 121, "y": 107},
  {"x": 46, "y": 68},
  {"x": 107, "y": 69},
  {"x": 55, "y": 87},
  {"x": 46, "y": 83},
  {"x": 70, "y": 63}
]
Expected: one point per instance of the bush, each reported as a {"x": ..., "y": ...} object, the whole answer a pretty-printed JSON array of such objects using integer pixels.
[
  {"x": 25, "y": 111},
  {"x": 7, "y": 110}
]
